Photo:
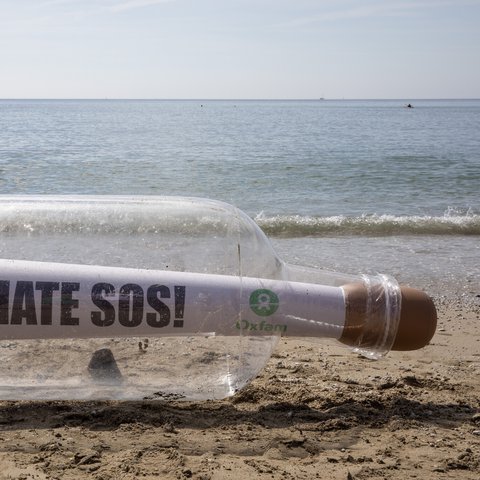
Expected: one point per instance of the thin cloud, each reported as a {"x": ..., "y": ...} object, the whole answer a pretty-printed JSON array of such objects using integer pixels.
[
  {"x": 133, "y": 4},
  {"x": 397, "y": 9},
  {"x": 55, "y": 3},
  {"x": 89, "y": 6},
  {"x": 49, "y": 15}
]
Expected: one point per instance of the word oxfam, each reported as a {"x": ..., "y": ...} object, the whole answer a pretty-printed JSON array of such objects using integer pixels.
[{"x": 262, "y": 326}]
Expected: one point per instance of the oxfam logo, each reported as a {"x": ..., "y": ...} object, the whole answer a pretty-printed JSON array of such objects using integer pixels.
[{"x": 264, "y": 302}]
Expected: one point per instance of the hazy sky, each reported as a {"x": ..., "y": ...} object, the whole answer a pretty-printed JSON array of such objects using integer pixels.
[{"x": 240, "y": 49}]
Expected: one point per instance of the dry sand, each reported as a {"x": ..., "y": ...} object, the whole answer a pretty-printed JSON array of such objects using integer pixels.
[{"x": 316, "y": 411}]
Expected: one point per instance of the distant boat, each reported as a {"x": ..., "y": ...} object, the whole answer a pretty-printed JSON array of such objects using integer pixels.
[{"x": 408, "y": 105}]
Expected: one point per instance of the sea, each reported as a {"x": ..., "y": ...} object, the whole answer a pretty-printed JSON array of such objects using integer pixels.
[{"x": 354, "y": 186}]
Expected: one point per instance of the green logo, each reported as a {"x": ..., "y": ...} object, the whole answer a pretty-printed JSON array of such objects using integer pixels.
[{"x": 264, "y": 302}]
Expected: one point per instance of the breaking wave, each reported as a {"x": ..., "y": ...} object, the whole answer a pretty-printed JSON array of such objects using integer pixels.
[
  {"x": 369, "y": 225},
  {"x": 32, "y": 218}
]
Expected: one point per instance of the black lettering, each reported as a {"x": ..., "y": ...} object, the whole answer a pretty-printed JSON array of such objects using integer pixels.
[
  {"x": 179, "y": 306},
  {"x": 163, "y": 319},
  {"x": 4, "y": 299},
  {"x": 47, "y": 289},
  {"x": 24, "y": 304},
  {"x": 99, "y": 292},
  {"x": 68, "y": 303},
  {"x": 130, "y": 293}
]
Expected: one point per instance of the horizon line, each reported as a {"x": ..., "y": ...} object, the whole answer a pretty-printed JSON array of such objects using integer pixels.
[{"x": 289, "y": 99}]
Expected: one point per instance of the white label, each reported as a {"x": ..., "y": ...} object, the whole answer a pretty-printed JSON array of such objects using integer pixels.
[{"x": 54, "y": 300}]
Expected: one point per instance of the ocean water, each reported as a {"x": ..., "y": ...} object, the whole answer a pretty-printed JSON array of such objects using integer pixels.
[{"x": 353, "y": 186}]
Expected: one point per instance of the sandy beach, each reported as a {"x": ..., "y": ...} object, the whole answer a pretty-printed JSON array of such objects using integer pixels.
[{"x": 316, "y": 411}]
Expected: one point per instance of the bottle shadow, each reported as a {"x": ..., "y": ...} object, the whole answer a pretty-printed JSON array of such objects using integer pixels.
[{"x": 327, "y": 415}]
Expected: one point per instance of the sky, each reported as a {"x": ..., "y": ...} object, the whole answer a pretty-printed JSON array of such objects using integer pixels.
[{"x": 241, "y": 49}]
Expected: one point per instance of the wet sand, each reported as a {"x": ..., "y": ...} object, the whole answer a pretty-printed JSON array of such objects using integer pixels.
[{"x": 316, "y": 411}]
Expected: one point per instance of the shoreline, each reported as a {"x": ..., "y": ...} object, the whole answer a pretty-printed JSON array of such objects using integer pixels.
[
  {"x": 316, "y": 411},
  {"x": 445, "y": 270}
]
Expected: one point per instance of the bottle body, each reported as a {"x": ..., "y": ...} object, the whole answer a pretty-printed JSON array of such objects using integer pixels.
[{"x": 160, "y": 298}]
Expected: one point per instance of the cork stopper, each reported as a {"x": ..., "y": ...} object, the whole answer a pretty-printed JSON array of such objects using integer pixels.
[
  {"x": 418, "y": 320},
  {"x": 365, "y": 318}
]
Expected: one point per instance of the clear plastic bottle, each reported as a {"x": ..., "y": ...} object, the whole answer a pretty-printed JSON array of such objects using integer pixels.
[{"x": 169, "y": 298}]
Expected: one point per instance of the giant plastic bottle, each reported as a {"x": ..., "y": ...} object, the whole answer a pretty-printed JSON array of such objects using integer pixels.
[{"x": 115, "y": 297}]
